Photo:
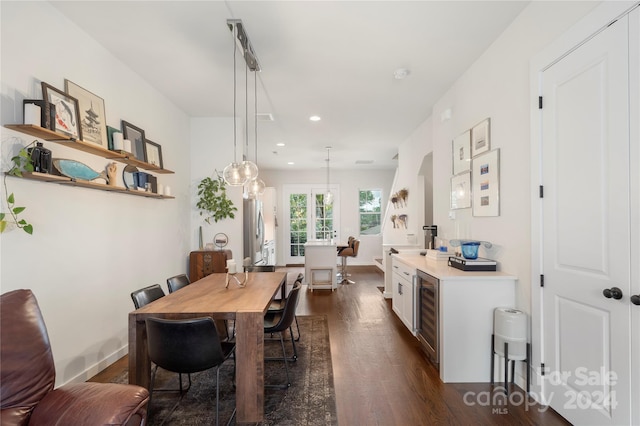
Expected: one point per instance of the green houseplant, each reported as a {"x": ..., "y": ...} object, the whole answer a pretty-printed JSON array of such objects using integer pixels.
[
  {"x": 213, "y": 201},
  {"x": 21, "y": 163}
]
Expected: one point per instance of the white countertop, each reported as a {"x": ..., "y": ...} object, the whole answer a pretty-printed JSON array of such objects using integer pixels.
[
  {"x": 320, "y": 243},
  {"x": 442, "y": 271}
]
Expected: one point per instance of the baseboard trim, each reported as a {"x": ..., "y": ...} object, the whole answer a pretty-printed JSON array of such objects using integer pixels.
[{"x": 98, "y": 367}]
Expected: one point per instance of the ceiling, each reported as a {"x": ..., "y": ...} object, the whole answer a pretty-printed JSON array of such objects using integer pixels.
[{"x": 334, "y": 59}]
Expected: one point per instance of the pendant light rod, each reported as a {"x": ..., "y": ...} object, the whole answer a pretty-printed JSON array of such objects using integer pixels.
[
  {"x": 232, "y": 174},
  {"x": 255, "y": 110},
  {"x": 235, "y": 90},
  {"x": 246, "y": 112},
  {"x": 328, "y": 199}
]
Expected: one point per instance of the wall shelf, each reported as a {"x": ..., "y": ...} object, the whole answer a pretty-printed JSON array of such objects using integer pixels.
[
  {"x": 91, "y": 148},
  {"x": 63, "y": 180}
]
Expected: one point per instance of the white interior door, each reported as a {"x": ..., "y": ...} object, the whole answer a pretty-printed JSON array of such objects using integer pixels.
[
  {"x": 308, "y": 218},
  {"x": 586, "y": 231}
]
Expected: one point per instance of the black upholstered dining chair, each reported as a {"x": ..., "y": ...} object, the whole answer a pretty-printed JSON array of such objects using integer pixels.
[
  {"x": 146, "y": 295},
  {"x": 279, "y": 323},
  {"x": 177, "y": 282},
  {"x": 187, "y": 346},
  {"x": 277, "y": 306}
]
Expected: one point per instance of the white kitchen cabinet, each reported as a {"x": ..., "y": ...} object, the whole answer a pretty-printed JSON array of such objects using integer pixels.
[
  {"x": 320, "y": 267},
  {"x": 403, "y": 293},
  {"x": 465, "y": 314}
]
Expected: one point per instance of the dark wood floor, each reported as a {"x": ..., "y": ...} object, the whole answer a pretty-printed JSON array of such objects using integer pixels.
[{"x": 382, "y": 377}]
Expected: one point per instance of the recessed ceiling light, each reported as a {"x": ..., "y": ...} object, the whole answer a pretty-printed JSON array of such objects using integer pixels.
[
  {"x": 291, "y": 163},
  {"x": 315, "y": 118},
  {"x": 280, "y": 144},
  {"x": 401, "y": 73}
]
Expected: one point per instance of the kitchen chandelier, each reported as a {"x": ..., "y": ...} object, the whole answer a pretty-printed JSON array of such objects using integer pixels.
[
  {"x": 328, "y": 197},
  {"x": 239, "y": 174}
]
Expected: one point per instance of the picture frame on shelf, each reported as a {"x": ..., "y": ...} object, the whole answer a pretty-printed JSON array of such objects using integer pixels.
[
  {"x": 67, "y": 111},
  {"x": 481, "y": 137},
  {"x": 110, "y": 132},
  {"x": 486, "y": 184},
  {"x": 154, "y": 153},
  {"x": 461, "y": 153},
  {"x": 92, "y": 116},
  {"x": 461, "y": 191},
  {"x": 136, "y": 135}
]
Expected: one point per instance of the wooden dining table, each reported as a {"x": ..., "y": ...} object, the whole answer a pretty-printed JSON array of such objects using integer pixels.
[{"x": 209, "y": 297}]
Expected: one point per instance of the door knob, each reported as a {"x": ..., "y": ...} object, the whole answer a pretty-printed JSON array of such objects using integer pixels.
[
  {"x": 614, "y": 292},
  {"x": 635, "y": 299}
]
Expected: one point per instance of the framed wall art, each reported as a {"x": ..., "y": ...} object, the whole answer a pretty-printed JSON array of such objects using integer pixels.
[
  {"x": 461, "y": 153},
  {"x": 93, "y": 121},
  {"x": 486, "y": 184},
  {"x": 480, "y": 137},
  {"x": 67, "y": 112},
  {"x": 154, "y": 153},
  {"x": 461, "y": 191},
  {"x": 136, "y": 135}
]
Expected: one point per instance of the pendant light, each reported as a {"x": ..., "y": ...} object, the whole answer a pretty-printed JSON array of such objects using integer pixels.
[
  {"x": 328, "y": 197},
  {"x": 249, "y": 169},
  {"x": 256, "y": 186},
  {"x": 232, "y": 174}
]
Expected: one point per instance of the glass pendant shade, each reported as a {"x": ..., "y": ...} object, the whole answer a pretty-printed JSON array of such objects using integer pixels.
[
  {"x": 233, "y": 176},
  {"x": 328, "y": 198},
  {"x": 255, "y": 188},
  {"x": 249, "y": 170}
]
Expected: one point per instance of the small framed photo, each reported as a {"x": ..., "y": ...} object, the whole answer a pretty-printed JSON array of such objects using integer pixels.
[
  {"x": 461, "y": 191},
  {"x": 480, "y": 137},
  {"x": 67, "y": 111},
  {"x": 461, "y": 153},
  {"x": 93, "y": 121},
  {"x": 136, "y": 135},
  {"x": 486, "y": 184},
  {"x": 154, "y": 153}
]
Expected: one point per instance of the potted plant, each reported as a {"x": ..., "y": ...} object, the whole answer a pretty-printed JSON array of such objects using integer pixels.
[
  {"x": 213, "y": 201},
  {"x": 21, "y": 163}
]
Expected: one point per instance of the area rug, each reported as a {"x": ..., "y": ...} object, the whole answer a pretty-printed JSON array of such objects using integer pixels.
[{"x": 309, "y": 401}]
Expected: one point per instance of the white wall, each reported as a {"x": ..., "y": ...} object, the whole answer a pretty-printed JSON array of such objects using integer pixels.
[
  {"x": 211, "y": 151},
  {"x": 350, "y": 183},
  {"x": 90, "y": 249},
  {"x": 411, "y": 155},
  {"x": 495, "y": 86}
]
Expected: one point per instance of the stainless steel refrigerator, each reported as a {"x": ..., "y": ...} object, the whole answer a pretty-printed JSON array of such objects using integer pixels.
[{"x": 254, "y": 232}]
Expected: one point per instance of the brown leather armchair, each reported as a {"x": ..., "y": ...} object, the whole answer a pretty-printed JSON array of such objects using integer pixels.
[{"x": 27, "y": 377}]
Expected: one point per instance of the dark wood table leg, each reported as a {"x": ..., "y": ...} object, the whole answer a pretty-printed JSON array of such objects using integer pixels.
[
  {"x": 139, "y": 364},
  {"x": 250, "y": 373}
]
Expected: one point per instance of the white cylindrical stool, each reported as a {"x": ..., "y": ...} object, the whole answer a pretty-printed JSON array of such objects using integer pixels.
[{"x": 509, "y": 340}]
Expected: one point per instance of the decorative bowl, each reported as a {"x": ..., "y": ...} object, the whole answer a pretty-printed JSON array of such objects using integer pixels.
[{"x": 470, "y": 249}]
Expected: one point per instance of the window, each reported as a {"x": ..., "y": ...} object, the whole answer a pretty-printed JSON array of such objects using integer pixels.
[
  {"x": 370, "y": 211},
  {"x": 298, "y": 221}
]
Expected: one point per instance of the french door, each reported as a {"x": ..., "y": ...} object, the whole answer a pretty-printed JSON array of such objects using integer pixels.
[
  {"x": 586, "y": 231},
  {"x": 308, "y": 218}
]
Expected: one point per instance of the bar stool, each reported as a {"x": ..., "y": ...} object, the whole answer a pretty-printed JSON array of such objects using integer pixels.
[
  {"x": 343, "y": 262},
  {"x": 351, "y": 251},
  {"x": 509, "y": 340}
]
